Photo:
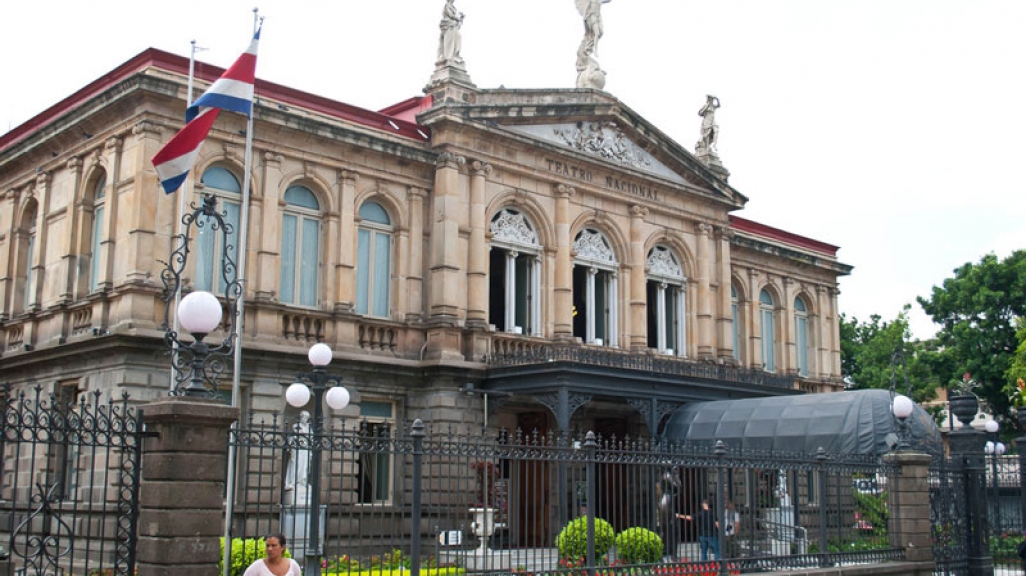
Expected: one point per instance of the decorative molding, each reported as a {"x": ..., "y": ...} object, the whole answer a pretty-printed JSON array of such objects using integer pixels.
[
  {"x": 592, "y": 245},
  {"x": 662, "y": 263},
  {"x": 450, "y": 160},
  {"x": 481, "y": 168},
  {"x": 705, "y": 229},
  {"x": 603, "y": 139},
  {"x": 638, "y": 211},
  {"x": 511, "y": 226},
  {"x": 414, "y": 192},
  {"x": 113, "y": 144},
  {"x": 146, "y": 127},
  {"x": 273, "y": 158},
  {"x": 563, "y": 190},
  {"x": 74, "y": 164}
]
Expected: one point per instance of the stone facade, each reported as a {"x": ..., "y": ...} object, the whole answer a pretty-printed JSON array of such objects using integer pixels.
[{"x": 615, "y": 213}]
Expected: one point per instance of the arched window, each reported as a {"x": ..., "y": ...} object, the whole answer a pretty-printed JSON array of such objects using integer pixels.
[
  {"x": 766, "y": 308},
  {"x": 595, "y": 281},
  {"x": 209, "y": 242},
  {"x": 801, "y": 336},
  {"x": 514, "y": 275},
  {"x": 737, "y": 327},
  {"x": 300, "y": 247},
  {"x": 96, "y": 240},
  {"x": 665, "y": 291},
  {"x": 373, "y": 260}
]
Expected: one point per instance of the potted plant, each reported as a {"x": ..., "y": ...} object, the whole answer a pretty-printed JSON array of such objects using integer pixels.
[
  {"x": 1017, "y": 398},
  {"x": 962, "y": 402},
  {"x": 483, "y": 510}
]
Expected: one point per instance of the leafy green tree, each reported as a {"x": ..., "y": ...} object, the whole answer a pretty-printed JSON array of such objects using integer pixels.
[
  {"x": 868, "y": 361},
  {"x": 977, "y": 310}
]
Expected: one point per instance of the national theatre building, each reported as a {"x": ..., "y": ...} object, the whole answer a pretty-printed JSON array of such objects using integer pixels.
[{"x": 548, "y": 251}]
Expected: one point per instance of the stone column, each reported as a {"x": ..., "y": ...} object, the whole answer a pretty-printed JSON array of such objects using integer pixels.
[
  {"x": 415, "y": 280},
  {"x": 835, "y": 334},
  {"x": 823, "y": 332},
  {"x": 636, "y": 296},
  {"x": 755, "y": 359},
  {"x": 444, "y": 297},
  {"x": 346, "y": 266},
  {"x": 74, "y": 268},
  {"x": 37, "y": 267},
  {"x": 909, "y": 501},
  {"x": 477, "y": 266},
  {"x": 563, "y": 314},
  {"x": 181, "y": 506},
  {"x": 8, "y": 226},
  {"x": 705, "y": 324},
  {"x": 268, "y": 240},
  {"x": 724, "y": 315},
  {"x": 140, "y": 205},
  {"x": 789, "y": 362}
]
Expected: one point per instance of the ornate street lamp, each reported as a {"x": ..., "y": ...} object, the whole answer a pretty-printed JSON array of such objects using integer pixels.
[
  {"x": 902, "y": 405},
  {"x": 199, "y": 313},
  {"x": 321, "y": 386}
]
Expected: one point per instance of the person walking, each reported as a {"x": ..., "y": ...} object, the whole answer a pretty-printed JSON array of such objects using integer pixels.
[{"x": 708, "y": 530}]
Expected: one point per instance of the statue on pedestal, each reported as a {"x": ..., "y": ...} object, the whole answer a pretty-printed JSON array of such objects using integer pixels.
[
  {"x": 710, "y": 130},
  {"x": 589, "y": 74},
  {"x": 297, "y": 481},
  {"x": 450, "y": 41}
]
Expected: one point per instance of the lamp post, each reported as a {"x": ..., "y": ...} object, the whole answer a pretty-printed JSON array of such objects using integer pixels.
[
  {"x": 902, "y": 405},
  {"x": 994, "y": 448},
  {"x": 321, "y": 386}
]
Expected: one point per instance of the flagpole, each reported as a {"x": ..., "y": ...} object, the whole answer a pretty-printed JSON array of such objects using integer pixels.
[{"x": 239, "y": 315}]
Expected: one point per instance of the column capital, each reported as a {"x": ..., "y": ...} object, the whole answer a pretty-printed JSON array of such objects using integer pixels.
[
  {"x": 449, "y": 160},
  {"x": 74, "y": 164},
  {"x": 146, "y": 127},
  {"x": 563, "y": 191},
  {"x": 418, "y": 193},
  {"x": 481, "y": 168},
  {"x": 705, "y": 229},
  {"x": 349, "y": 175},
  {"x": 273, "y": 158},
  {"x": 726, "y": 233},
  {"x": 113, "y": 144},
  {"x": 638, "y": 211}
]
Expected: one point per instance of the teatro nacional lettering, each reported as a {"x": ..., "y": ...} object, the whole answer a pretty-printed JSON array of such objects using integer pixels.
[{"x": 613, "y": 183}]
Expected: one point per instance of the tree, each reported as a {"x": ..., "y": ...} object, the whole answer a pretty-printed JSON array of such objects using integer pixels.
[
  {"x": 977, "y": 310},
  {"x": 867, "y": 356}
]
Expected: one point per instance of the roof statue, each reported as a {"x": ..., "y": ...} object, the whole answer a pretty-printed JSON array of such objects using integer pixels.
[
  {"x": 450, "y": 41},
  {"x": 705, "y": 148},
  {"x": 589, "y": 74}
]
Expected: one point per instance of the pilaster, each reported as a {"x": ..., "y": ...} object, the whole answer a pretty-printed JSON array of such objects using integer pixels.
[
  {"x": 636, "y": 297},
  {"x": 477, "y": 267},
  {"x": 563, "y": 289},
  {"x": 705, "y": 323},
  {"x": 345, "y": 268},
  {"x": 724, "y": 317},
  {"x": 415, "y": 280}
]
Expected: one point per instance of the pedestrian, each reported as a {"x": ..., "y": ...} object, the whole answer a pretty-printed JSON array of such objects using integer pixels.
[
  {"x": 708, "y": 530},
  {"x": 275, "y": 564}
]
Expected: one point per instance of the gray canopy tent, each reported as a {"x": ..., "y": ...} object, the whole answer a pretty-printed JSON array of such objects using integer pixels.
[{"x": 851, "y": 422}]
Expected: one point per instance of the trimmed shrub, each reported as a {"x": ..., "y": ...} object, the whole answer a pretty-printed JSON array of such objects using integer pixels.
[
  {"x": 572, "y": 541},
  {"x": 639, "y": 546}
]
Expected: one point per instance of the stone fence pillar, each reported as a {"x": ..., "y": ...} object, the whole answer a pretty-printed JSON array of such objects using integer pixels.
[
  {"x": 908, "y": 498},
  {"x": 181, "y": 498}
]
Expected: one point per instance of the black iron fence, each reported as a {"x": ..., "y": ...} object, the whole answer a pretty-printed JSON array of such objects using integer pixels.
[
  {"x": 70, "y": 476},
  {"x": 452, "y": 500}
]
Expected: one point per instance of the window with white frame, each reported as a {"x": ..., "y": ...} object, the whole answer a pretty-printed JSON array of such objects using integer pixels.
[
  {"x": 514, "y": 274},
  {"x": 666, "y": 310},
  {"x": 210, "y": 243},
  {"x": 96, "y": 230},
  {"x": 374, "y": 469},
  {"x": 801, "y": 336},
  {"x": 766, "y": 312},
  {"x": 595, "y": 280},
  {"x": 373, "y": 260},
  {"x": 300, "y": 247}
]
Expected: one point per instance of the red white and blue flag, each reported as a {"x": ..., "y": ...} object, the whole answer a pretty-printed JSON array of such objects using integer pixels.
[{"x": 233, "y": 91}]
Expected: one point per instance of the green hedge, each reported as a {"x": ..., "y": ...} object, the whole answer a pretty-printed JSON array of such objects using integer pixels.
[
  {"x": 572, "y": 541},
  {"x": 639, "y": 546}
]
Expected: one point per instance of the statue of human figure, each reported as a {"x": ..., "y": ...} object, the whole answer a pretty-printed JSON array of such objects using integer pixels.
[
  {"x": 297, "y": 480},
  {"x": 449, "y": 43},
  {"x": 591, "y": 10},
  {"x": 710, "y": 130}
]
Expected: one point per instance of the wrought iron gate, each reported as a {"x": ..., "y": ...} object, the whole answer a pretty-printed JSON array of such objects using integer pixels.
[
  {"x": 70, "y": 477},
  {"x": 949, "y": 516}
]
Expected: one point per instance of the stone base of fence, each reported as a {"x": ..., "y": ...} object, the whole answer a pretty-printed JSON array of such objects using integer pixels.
[
  {"x": 182, "y": 491},
  {"x": 909, "y": 501},
  {"x": 888, "y": 569}
]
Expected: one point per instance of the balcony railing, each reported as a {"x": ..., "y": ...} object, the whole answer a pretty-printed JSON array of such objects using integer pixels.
[{"x": 515, "y": 351}]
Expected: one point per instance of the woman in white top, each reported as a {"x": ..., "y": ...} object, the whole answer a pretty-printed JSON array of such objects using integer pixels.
[{"x": 274, "y": 564}]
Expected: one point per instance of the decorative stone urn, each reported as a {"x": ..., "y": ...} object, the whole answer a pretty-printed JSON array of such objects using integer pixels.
[
  {"x": 483, "y": 526},
  {"x": 964, "y": 407}
]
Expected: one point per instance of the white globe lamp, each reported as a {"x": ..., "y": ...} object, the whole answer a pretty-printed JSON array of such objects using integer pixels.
[
  {"x": 337, "y": 397},
  {"x": 297, "y": 395},
  {"x": 991, "y": 426},
  {"x": 902, "y": 406},
  {"x": 199, "y": 313},
  {"x": 319, "y": 355}
]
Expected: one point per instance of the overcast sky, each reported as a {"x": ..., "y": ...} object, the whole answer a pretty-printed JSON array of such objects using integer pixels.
[{"x": 895, "y": 129}]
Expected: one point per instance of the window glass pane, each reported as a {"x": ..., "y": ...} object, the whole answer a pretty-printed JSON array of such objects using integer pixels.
[
  {"x": 301, "y": 196},
  {"x": 381, "y": 270},
  {"x": 94, "y": 265},
  {"x": 767, "y": 341},
  {"x": 221, "y": 179},
  {"x": 363, "y": 272},
  {"x": 29, "y": 255},
  {"x": 799, "y": 304},
  {"x": 288, "y": 258},
  {"x": 523, "y": 266},
  {"x": 100, "y": 188},
  {"x": 231, "y": 210},
  {"x": 373, "y": 212},
  {"x": 802, "y": 328},
  {"x": 371, "y": 409},
  {"x": 736, "y": 329},
  {"x": 308, "y": 263},
  {"x": 205, "y": 258},
  {"x": 765, "y": 298},
  {"x": 601, "y": 305}
]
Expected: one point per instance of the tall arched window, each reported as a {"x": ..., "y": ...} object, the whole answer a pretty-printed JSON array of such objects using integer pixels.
[
  {"x": 96, "y": 240},
  {"x": 595, "y": 281},
  {"x": 801, "y": 336},
  {"x": 737, "y": 328},
  {"x": 665, "y": 290},
  {"x": 373, "y": 260},
  {"x": 300, "y": 247},
  {"x": 209, "y": 242},
  {"x": 766, "y": 307},
  {"x": 514, "y": 275}
]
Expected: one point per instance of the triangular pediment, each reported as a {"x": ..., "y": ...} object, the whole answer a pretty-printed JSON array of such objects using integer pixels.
[{"x": 602, "y": 139}]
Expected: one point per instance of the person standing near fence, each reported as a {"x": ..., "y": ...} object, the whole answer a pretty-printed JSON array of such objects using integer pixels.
[
  {"x": 708, "y": 530},
  {"x": 731, "y": 527},
  {"x": 275, "y": 564}
]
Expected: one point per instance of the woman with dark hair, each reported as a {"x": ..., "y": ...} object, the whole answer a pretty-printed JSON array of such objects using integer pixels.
[{"x": 275, "y": 564}]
